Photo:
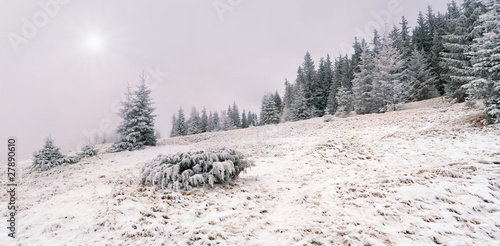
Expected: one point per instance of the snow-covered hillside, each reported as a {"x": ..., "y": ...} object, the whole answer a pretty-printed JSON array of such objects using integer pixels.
[{"x": 422, "y": 175}]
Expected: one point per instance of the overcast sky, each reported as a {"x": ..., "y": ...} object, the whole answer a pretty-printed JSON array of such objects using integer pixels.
[{"x": 65, "y": 65}]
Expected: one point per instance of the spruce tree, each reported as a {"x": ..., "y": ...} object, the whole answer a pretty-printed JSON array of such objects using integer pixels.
[
  {"x": 235, "y": 116},
  {"x": 309, "y": 80},
  {"x": 388, "y": 89},
  {"x": 278, "y": 102},
  {"x": 421, "y": 33},
  {"x": 456, "y": 58},
  {"x": 143, "y": 120},
  {"x": 194, "y": 122},
  {"x": 363, "y": 84},
  {"x": 269, "y": 111},
  {"x": 486, "y": 62},
  {"x": 48, "y": 157},
  {"x": 174, "y": 132},
  {"x": 216, "y": 122},
  {"x": 299, "y": 108},
  {"x": 244, "y": 122},
  {"x": 322, "y": 89},
  {"x": 420, "y": 78},
  {"x": 210, "y": 126},
  {"x": 182, "y": 128},
  {"x": 287, "y": 102},
  {"x": 345, "y": 101},
  {"x": 204, "y": 121},
  {"x": 137, "y": 127}
]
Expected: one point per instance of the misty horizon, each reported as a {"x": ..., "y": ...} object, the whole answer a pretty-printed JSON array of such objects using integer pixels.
[{"x": 66, "y": 64}]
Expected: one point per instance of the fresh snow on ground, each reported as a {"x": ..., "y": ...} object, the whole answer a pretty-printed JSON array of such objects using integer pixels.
[{"x": 426, "y": 174}]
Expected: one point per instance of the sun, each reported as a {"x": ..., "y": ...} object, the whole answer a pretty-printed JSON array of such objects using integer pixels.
[{"x": 94, "y": 42}]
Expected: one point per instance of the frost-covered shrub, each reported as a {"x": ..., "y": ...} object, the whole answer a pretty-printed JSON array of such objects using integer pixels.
[
  {"x": 183, "y": 171},
  {"x": 71, "y": 159},
  {"x": 48, "y": 157},
  {"x": 88, "y": 151},
  {"x": 123, "y": 145}
]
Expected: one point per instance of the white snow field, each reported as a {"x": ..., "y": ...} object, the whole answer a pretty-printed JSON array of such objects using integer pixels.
[{"x": 427, "y": 174}]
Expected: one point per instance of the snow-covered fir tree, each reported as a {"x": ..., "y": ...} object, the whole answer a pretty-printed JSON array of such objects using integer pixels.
[
  {"x": 174, "y": 132},
  {"x": 204, "y": 120},
  {"x": 345, "y": 101},
  {"x": 48, "y": 157},
  {"x": 456, "y": 55},
  {"x": 194, "y": 122},
  {"x": 216, "y": 122},
  {"x": 137, "y": 128},
  {"x": 299, "y": 107},
  {"x": 286, "y": 115},
  {"x": 235, "y": 116},
  {"x": 322, "y": 89},
  {"x": 278, "y": 102},
  {"x": 269, "y": 110},
  {"x": 181, "y": 126},
  {"x": 388, "y": 89},
  {"x": 486, "y": 61},
  {"x": 420, "y": 78},
  {"x": 363, "y": 84},
  {"x": 244, "y": 122}
]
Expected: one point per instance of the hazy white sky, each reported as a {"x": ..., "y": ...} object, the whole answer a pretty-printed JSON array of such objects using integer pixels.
[{"x": 64, "y": 64}]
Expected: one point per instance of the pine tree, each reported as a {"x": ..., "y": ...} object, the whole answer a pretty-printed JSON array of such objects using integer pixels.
[
  {"x": 309, "y": 80},
  {"x": 194, "y": 122},
  {"x": 336, "y": 84},
  {"x": 322, "y": 89},
  {"x": 363, "y": 84},
  {"x": 48, "y": 157},
  {"x": 174, "y": 132},
  {"x": 279, "y": 103},
  {"x": 376, "y": 41},
  {"x": 420, "y": 77},
  {"x": 287, "y": 102},
  {"x": 269, "y": 111},
  {"x": 137, "y": 127},
  {"x": 226, "y": 123},
  {"x": 182, "y": 128},
  {"x": 421, "y": 33},
  {"x": 252, "y": 119},
  {"x": 456, "y": 56},
  {"x": 244, "y": 122},
  {"x": 345, "y": 100},
  {"x": 486, "y": 61},
  {"x": 388, "y": 89},
  {"x": 210, "y": 126},
  {"x": 299, "y": 108},
  {"x": 143, "y": 123},
  {"x": 204, "y": 121},
  {"x": 216, "y": 122},
  {"x": 235, "y": 116}
]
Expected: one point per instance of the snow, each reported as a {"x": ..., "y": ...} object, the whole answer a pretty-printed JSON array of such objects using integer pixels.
[{"x": 423, "y": 175}]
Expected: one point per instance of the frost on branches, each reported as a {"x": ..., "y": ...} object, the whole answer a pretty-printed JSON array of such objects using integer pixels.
[
  {"x": 137, "y": 128},
  {"x": 486, "y": 63},
  {"x": 183, "y": 171},
  {"x": 48, "y": 157},
  {"x": 88, "y": 151}
]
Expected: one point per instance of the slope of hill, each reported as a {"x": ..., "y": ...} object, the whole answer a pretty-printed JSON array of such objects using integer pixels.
[{"x": 422, "y": 175}]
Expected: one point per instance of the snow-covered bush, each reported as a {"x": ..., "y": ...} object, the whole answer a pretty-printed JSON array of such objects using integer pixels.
[
  {"x": 183, "y": 171},
  {"x": 48, "y": 157},
  {"x": 88, "y": 151}
]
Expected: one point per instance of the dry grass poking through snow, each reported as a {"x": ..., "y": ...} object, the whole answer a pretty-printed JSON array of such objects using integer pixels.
[{"x": 428, "y": 174}]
